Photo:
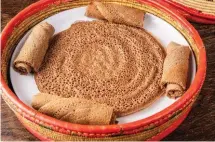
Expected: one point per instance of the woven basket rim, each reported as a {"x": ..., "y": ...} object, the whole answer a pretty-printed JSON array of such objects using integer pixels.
[
  {"x": 189, "y": 94},
  {"x": 157, "y": 137},
  {"x": 194, "y": 18},
  {"x": 194, "y": 13}
]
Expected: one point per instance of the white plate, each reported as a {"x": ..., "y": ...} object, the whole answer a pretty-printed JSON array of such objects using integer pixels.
[{"x": 25, "y": 86}]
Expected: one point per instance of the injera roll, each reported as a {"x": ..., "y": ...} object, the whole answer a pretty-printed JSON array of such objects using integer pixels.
[
  {"x": 175, "y": 70},
  {"x": 34, "y": 49},
  {"x": 75, "y": 110},
  {"x": 109, "y": 63},
  {"x": 116, "y": 13},
  {"x": 93, "y": 12}
]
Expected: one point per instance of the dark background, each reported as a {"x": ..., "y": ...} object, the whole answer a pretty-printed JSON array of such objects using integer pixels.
[{"x": 199, "y": 125}]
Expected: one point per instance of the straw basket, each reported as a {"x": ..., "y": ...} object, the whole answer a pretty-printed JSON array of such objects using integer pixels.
[
  {"x": 44, "y": 127},
  {"x": 202, "y": 11}
]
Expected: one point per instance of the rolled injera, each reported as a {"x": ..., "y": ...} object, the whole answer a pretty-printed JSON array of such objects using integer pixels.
[
  {"x": 92, "y": 11},
  {"x": 115, "y": 13},
  {"x": 175, "y": 70},
  {"x": 75, "y": 110},
  {"x": 34, "y": 49}
]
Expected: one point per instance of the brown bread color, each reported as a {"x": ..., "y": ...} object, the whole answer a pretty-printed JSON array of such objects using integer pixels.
[
  {"x": 75, "y": 110},
  {"x": 34, "y": 49},
  {"x": 109, "y": 63},
  {"x": 175, "y": 71},
  {"x": 93, "y": 12},
  {"x": 115, "y": 13}
]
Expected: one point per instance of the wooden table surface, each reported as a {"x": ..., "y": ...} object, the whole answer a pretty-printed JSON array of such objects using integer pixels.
[{"x": 199, "y": 125}]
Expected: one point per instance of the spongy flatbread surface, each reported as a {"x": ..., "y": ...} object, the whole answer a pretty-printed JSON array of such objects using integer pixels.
[
  {"x": 114, "y": 64},
  {"x": 33, "y": 51},
  {"x": 73, "y": 110},
  {"x": 115, "y": 13},
  {"x": 176, "y": 67},
  {"x": 92, "y": 11},
  {"x": 121, "y": 14}
]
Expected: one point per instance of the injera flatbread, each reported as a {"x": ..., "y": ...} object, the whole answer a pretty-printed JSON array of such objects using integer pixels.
[
  {"x": 75, "y": 110},
  {"x": 93, "y": 12},
  {"x": 175, "y": 71},
  {"x": 114, "y": 64},
  {"x": 34, "y": 49},
  {"x": 115, "y": 13}
]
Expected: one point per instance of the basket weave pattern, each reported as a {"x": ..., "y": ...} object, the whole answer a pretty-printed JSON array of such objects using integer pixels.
[
  {"x": 200, "y": 11},
  {"x": 204, "y": 6}
]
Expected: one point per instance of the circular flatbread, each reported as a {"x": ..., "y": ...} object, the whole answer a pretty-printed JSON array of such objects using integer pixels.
[{"x": 109, "y": 63}]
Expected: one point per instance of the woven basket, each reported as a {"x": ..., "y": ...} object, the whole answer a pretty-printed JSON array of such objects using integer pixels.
[
  {"x": 202, "y": 11},
  {"x": 44, "y": 127}
]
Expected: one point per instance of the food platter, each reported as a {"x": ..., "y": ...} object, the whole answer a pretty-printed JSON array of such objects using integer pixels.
[
  {"x": 25, "y": 86},
  {"x": 165, "y": 27}
]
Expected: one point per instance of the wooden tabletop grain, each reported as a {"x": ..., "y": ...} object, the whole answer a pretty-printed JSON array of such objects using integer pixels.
[{"x": 199, "y": 125}]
